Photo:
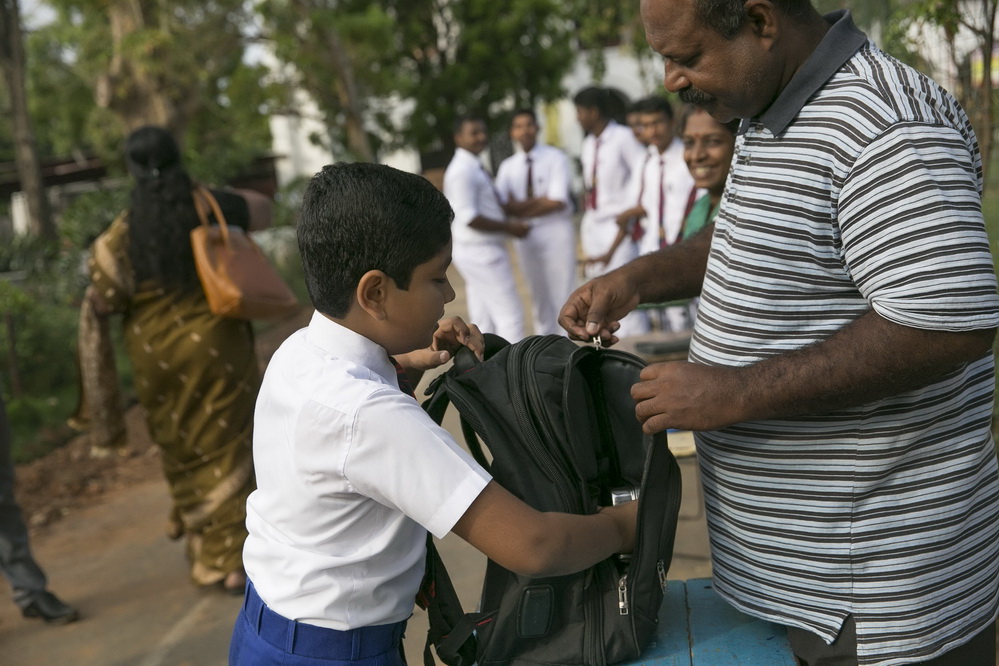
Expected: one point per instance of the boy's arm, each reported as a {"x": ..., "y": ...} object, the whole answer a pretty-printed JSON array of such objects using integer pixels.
[
  {"x": 452, "y": 333},
  {"x": 532, "y": 543}
]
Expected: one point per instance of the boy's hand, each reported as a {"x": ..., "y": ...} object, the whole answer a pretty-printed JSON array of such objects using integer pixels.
[
  {"x": 452, "y": 333},
  {"x": 626, "y": 518}
]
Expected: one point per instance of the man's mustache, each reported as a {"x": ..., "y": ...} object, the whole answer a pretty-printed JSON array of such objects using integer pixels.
[{"x": 691, "y": 95}]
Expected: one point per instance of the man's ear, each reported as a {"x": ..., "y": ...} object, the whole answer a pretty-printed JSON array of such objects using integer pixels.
[
  {"x": 762, "y": 18},
  {"x": 372, "y": 292}
]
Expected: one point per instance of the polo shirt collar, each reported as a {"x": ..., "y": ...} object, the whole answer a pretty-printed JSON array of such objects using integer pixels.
[
  {"x": 837, "y": 46},
  {"x": 342, "y": 343}
]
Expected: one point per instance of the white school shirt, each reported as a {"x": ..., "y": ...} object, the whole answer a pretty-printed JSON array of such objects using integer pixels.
[
  {"x": 616, "y": 157},
  {"x": 471, "y": 193},
  {"x": 550, "y": 177},
  {"x": 644, "y": 189},
  {"x": 351, "y": 474}
]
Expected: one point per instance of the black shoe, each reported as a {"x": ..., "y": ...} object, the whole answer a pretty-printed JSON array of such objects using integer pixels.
[{"x": 48, "y": 607}]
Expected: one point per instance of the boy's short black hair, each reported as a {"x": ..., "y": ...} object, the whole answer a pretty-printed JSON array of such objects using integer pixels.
[
  {"x": 358, "y": 217},
  {"x": 524, "y": 112},
  {"x": 653, "y": 104},
  {"x": 594, "y": 97},
  {"x": 459, "y": 122}
]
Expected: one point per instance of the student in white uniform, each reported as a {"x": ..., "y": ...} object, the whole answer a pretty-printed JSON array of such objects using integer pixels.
[
  {"x": 480, "y": 231},
  {"x": 351, "y": 472},
  {"x": 663, "y": 191},
  {"x": 608, "y": 155},
  {"x": 533, "y": 185}
]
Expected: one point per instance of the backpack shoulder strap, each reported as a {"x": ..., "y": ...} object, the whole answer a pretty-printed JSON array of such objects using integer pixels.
[{"x": 451, "y": 629}]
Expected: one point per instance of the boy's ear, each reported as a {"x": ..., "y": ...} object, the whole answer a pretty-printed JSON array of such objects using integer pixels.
[{"x": 372, "y": 291}]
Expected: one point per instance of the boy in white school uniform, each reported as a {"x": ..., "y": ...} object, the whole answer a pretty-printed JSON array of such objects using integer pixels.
[
  {"x": 663, "y": 191},
  {"x": 608, "y": 155},
  {"x": 534, "y": 186},
  {"x": 481, "y": 230},
  {"x": 351, "y": 472}
]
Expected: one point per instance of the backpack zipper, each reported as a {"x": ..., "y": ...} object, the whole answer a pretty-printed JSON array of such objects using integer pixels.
[
  {"x": 622, "y": 595},
  {"x": 661, "y": 570}
]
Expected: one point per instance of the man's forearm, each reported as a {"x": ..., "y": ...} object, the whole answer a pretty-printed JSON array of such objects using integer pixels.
[
  {"x": 674, "y": 272},
  {"x": 869, "y": 359},
  {"x": 486, "y": 224}
]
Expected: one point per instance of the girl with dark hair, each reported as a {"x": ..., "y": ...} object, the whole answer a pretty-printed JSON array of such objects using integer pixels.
[{"x": 196, "y": 374}]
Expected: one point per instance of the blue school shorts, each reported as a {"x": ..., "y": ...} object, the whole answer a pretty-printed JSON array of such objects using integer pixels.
[{"x": 262, "y": 637}]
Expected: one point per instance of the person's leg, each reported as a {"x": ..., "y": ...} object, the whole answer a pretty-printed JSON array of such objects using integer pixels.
[
  {"x": 488, "y": 274},
  {"x": 548, "y": 260},
  {"x": 16, "y": 562}
]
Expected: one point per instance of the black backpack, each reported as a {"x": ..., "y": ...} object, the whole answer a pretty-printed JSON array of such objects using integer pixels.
[{"x": 559, "y": 422}]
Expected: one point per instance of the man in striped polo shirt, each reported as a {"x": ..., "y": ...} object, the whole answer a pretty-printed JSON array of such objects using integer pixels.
[{"x": 840, "y": 375}]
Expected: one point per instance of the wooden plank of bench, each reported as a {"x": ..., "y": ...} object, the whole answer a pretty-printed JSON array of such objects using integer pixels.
[
  {"x": 699, "y": 628},
  {"x": 721, "y": 635}
]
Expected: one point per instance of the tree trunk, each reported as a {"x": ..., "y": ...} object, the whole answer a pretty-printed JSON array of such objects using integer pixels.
[
  {"x": 29, "y": 170},
  {"x": 350, "y": 101}
]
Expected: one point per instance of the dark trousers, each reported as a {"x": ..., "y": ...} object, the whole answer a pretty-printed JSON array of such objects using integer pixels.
[
  {"x": 16, "y": 562},
  {"x": 262, "y": 637},
  {"x": 813, "y": 651}
]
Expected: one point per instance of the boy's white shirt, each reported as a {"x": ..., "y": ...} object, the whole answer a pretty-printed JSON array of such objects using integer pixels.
[{"x": 351, "y": 474}]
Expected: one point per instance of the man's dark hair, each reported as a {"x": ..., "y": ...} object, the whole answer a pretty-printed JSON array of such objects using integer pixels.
[
  {"x": 360, "y": 217},
  {"x": 653, "y": 104},
  {"x": 460, "y": 121},
  {"x": 595, "y": 97},
  {"x": 727, "y": 17},
  {"x": 524, "y": 112}
]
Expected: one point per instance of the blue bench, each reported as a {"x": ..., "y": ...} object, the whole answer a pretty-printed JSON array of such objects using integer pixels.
[{"x": 699, "y": 628}]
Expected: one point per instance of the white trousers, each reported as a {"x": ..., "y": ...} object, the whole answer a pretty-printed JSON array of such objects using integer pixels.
[
  {"x": 547, "y": 258},
  {"x": 490, "y": 290},
  {"x": 597, "y": 235}
]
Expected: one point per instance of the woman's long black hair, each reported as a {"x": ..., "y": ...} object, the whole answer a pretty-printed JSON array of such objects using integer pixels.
[{"x": 162, "y": 212}]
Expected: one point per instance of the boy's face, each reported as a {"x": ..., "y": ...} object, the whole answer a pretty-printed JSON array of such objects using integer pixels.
[
  {"x": 413, "y": 313},
  {"x": 657, "y": 129}
]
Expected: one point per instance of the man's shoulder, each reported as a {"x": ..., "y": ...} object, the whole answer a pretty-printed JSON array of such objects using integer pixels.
[{"x": 875, "y": 82}]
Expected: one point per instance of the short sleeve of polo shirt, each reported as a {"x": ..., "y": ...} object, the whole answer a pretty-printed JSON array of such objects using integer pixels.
[
  {"x": 400, "y": 458},
  {"x": 912, "y": 231}
]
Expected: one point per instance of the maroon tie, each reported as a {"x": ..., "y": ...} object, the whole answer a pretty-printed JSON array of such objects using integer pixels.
[
  {"x": 662, "y": 201},
  {"x": 530, "y": 178},
  {"x": 404, "y": 384}
]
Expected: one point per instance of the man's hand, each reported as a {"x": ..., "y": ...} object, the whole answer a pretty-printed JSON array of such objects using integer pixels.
[
  {"x": 518, "y": 228},
  {"x": 688, "y": 396},
  {"x": 596, "y": 307}
]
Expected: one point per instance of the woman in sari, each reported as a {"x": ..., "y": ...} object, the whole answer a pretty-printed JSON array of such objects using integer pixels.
[{"x": 196, "y": 374}]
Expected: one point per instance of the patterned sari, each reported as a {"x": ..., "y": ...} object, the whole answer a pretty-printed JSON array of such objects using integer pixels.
[{"x": 196, "y": 376}]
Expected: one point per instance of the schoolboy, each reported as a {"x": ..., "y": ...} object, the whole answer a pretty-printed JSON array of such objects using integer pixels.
[{"x": 351, "y": 473}]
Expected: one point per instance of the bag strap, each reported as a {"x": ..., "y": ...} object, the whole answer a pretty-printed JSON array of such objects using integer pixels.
[
  {"x": 204, "y": 203},
  {"x": 451, "y": 629}
]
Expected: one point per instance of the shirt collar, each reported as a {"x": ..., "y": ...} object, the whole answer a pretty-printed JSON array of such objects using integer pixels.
[
  {"x": 837, "y": 46},
  {"x": 342, "y": 343},
  {"x": 466, "y": 156}
]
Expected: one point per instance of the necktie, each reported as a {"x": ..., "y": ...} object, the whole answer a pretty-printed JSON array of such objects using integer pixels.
[
  {"x": 662, "y": 201},
  {"x": 530, "y": 177},
  {"x": 591, "y": 199},
  {"x": 404, "y": 384}
]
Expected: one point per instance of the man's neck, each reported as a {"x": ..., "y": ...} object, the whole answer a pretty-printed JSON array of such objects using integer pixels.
[{"x": 600, "y": 126}]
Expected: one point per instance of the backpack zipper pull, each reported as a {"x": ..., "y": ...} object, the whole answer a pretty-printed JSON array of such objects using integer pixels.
[
  {"x": 661, "y": 570},
  {"x": 622, "y": 595},
  {"x": 597, "y": 342}
]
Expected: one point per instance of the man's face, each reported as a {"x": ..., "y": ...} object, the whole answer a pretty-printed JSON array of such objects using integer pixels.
[
  {"x": 735, "y": 78},
  {"x": 472, "y": 136},
  {"x": 657, "y": 130},
  {"x": 524, "y": 131},
  {"x": 587, "y": 117}
]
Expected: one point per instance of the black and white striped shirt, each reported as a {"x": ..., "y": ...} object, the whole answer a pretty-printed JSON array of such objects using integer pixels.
[{"x": 859, "y": 188}]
